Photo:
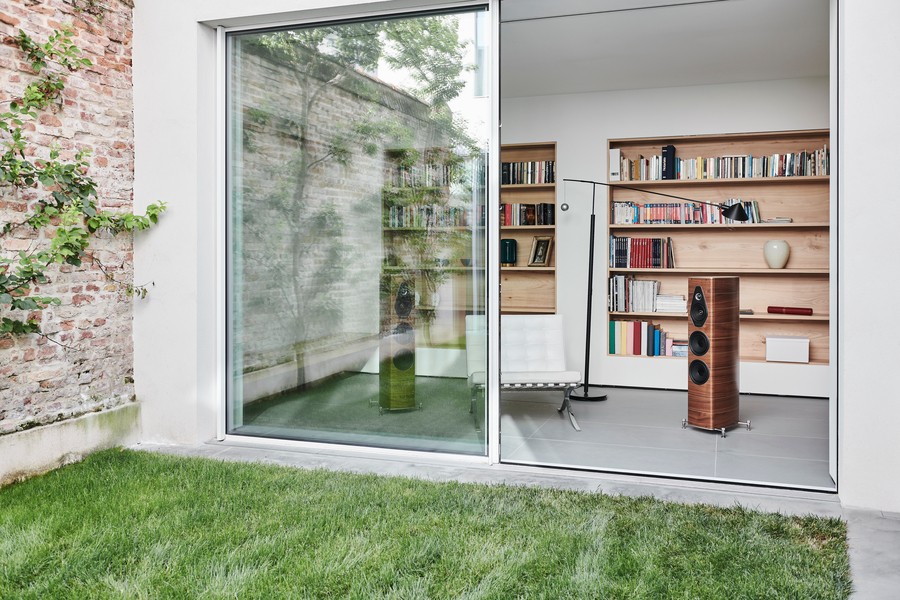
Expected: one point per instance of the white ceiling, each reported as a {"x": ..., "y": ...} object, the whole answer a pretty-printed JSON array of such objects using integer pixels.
[{"x": 572, "y": 46}]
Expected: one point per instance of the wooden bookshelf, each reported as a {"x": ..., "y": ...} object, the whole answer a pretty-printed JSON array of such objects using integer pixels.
[
  {"x": 736, "y": 248},
  {"x": 524, "y": 288}
]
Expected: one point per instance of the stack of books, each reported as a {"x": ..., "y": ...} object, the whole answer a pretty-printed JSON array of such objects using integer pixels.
[{"x": 671, "y": 303}]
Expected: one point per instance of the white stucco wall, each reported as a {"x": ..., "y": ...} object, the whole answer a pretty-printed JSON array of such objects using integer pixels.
[
  {"x": 175, "y": 329},
  {"x": 869, "y": 354}
]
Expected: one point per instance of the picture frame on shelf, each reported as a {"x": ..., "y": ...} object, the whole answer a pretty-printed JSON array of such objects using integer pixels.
[{"x": 541, "y": 247}]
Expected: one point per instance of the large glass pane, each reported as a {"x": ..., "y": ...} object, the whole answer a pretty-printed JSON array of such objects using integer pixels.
[{"x": 357, "y": 189}]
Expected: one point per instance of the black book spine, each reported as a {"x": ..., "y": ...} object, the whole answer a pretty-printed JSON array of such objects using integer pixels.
[{"x": 668, "y": 162}]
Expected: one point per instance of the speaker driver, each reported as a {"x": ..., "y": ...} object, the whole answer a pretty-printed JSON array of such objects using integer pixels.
[
  {"x": 404, "y": 359},
  {"x": 699, "y": 372},
  {"x": 699, "y": 343},
  {"x": 405, "y": 301},
  {"x": 698, "y": 307}
]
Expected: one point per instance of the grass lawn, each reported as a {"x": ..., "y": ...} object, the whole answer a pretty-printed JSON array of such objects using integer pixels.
[{"x": 125, "y": 524}]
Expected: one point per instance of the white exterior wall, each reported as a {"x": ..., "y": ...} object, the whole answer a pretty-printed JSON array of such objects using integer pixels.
[
  {"x": 175, "y": 329},
  {"x": 869, "y": 353}
]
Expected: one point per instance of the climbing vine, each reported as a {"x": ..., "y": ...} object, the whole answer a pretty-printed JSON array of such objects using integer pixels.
[{"x": 65, "y": 215}]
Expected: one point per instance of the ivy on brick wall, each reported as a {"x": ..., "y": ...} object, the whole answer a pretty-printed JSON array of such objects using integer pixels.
[{"x": 66, "y": 214}]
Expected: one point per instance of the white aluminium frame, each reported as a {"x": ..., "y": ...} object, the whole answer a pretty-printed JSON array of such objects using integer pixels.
[{"x": 492, "y": 288}]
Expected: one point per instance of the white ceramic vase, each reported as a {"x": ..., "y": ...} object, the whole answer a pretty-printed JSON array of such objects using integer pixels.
[{"x": 777, "y": 253}]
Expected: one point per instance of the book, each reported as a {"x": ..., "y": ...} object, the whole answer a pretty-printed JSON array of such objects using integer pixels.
[
  {"x": 789, "y": 310},
  {"x": 615, "y": 164},
  {"x": 668, "y": 162}
]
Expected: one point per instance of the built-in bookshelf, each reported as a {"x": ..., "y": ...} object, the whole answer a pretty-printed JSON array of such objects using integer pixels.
[
  {"x": 781, "y": 178},
  {"x": 528, "y": 216}
]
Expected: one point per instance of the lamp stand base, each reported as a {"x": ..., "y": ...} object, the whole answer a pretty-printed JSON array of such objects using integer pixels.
[{"x": 583, "y": 392}]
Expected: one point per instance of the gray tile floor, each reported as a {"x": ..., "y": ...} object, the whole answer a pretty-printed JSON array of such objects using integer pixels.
[{"x": 639, "y": 430}]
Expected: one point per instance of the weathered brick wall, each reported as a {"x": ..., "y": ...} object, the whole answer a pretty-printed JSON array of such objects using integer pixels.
[{"x": 90, "y": 367}]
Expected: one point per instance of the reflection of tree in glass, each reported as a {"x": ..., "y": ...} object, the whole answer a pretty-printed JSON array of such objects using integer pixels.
[{"x": 295, "y": 149}]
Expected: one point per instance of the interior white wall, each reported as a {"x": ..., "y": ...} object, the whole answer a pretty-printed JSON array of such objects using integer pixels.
[
  {"x": 174, "y": 118},
  {"x": 581, "y": 124}
]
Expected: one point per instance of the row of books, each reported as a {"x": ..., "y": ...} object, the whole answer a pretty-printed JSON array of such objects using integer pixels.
[
  {"x": 642, "y": 338},
  {"x": 538, "y": 171},
  {"x": 641, "y": 253},
  {"x": 542, "y": 213},
  {"x": 424, "y": 216},
  {"x": 627, "y": 294},
  {"x": 428, "y": 175},
  {"x": 680, "y": 213},
  {"x": 740, "y": 166}
]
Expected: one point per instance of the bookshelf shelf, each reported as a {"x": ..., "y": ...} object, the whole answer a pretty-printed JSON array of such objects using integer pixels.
[
  {"x": 742, "y": 181},
  {"x": 728, "y": 226},
  {"x": 733, "y": 248},
  {"x": 548, "y": 228},
  {"x": 753, "y": 317},
  {"x": 530, "y": 269},
  {"x": 527, "y": 186},
  {"x": 723, "y": 271},
  {"x": 525, "y": 289}
]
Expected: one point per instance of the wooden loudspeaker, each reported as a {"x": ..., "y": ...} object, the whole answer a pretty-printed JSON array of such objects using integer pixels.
[
  {"x": 713, "y": 352},
  {"x": 397, "y": 351}
]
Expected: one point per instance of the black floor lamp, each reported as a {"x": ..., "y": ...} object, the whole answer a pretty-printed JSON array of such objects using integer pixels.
[{"x": 735, "y": 212}]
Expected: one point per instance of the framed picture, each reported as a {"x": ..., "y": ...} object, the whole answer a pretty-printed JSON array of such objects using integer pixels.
[{"x": 540, "y": 251}]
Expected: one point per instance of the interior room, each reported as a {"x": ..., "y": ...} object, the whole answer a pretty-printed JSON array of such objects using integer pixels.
[
  {"x": 622, "y": 80},
  {"x": 655, "y": 161}
]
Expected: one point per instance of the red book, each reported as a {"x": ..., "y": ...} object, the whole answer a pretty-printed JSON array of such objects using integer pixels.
[
  {"x": 636, "y": 338},
  {"x": 789, "y": 310}
]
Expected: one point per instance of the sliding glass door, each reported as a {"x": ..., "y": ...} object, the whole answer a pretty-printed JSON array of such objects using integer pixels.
[{"x": 357, "y": 165}]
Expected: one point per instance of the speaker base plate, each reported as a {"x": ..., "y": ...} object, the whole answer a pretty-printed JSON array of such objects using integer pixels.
[{"x": 722, "y": 430}]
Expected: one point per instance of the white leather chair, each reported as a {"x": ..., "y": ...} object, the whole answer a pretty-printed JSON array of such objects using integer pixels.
[{"x": 532, "y": 357}]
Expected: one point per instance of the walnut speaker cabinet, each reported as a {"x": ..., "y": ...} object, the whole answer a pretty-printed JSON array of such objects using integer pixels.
[
  {"x": 397, "y": 357},
  {"x": 713, "y": 353}
]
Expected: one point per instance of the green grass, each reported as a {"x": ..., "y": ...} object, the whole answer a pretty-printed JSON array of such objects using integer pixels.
[{"x": 126, "y": 524}]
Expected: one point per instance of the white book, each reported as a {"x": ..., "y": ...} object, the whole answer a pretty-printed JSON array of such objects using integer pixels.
[{"x": 615, "y": 164}]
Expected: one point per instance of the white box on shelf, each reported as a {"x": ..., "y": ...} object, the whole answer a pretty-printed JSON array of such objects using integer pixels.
[{"x": 787, "y": 348}]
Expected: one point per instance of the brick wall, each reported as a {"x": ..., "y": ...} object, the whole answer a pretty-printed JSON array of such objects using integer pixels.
[{"x": 91, "y": 367}]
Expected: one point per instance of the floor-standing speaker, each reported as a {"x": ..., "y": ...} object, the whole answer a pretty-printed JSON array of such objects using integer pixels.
[
  {"x": 713, "y": 352},
  {"x": 397, "y": 368}
]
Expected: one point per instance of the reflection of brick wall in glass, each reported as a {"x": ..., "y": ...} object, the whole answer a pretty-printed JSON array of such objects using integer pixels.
[{"x": 307, "y": 238}]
